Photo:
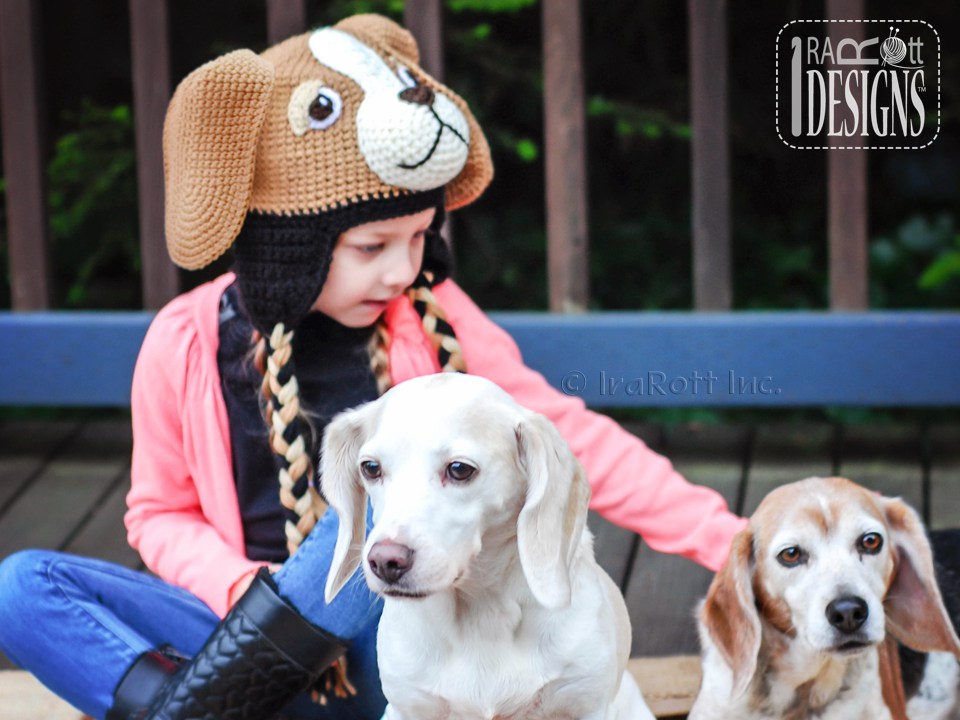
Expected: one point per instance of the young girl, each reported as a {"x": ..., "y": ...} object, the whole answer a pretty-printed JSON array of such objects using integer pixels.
[{"x": 327, "y": 163}]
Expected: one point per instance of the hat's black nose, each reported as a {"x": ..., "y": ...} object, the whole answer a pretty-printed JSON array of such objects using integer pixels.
[{"x": 418, "y": 95}]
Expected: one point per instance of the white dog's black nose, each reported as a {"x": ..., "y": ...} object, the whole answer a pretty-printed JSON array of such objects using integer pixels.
[
  {"x": 847, "y": 614},
  {"x": 390, "y": 561}
]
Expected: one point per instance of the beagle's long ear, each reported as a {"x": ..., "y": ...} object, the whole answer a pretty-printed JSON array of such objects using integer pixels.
[
  {"x": 914, "y": 607},
  {"x": 554, "y": 510},
  {"x": 341, "y": 485},
  {"x": 729, "y": 614},
  {"x": 210, "y": 140}
]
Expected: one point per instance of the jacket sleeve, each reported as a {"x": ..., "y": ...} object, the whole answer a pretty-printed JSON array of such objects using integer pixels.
[
  {"x": 165, "y": 519},
  {"x": 632, "y": 486}
]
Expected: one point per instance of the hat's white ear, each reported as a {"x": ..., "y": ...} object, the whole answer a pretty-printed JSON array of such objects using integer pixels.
[
  {"x": 554, "y": 512},
  {"x": 340, "y": 481}
]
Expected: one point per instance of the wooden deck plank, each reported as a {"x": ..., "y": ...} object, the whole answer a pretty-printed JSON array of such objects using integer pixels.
[
  {"x": 25, "y": 447},
  {"x": 784, "y": 453},
  {"x": 888, "y": 459},
  {"x": 669, "y": 686},
  {"x": 664, "y": 590},
  {"x": 614, "y": 546},
  {"x": 103, "y": 535},
  {"x": 945, "y": 476},
  {"x": 22, "y": 697},
  {"x": 67, "y": 489}
]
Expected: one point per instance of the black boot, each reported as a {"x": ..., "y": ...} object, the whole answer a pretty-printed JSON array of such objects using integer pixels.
[
  {"x": 142, "y": 681},
  {"x": 261, "y": 656}
]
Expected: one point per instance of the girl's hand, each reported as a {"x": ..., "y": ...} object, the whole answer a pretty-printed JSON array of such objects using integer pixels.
[{"x": 241, "y": 585}]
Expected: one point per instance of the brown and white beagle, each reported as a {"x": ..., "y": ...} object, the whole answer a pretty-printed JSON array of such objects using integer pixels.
[{"x": 794, "y": 625}]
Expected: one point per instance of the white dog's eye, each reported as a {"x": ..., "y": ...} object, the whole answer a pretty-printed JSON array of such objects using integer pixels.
[
  {"x": 406, "y": 77},
  {"x": 870, "y": 543},
  {"x": 324, "y": 110},
  {"x": 792, "y": 556},
  {"x": 371, "y": 469},
  {"x": 460, "y": 472}
]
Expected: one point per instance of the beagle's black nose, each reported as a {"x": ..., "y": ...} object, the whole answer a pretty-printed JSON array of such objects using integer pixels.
[
  {"x": 390, "y": 561},
  {"x": 847, "y": 614}
]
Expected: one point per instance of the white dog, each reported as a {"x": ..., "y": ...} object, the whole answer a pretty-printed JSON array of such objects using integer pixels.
[
  {"x": 494, "y": 606},
  {"x": 794, "y": 624}
]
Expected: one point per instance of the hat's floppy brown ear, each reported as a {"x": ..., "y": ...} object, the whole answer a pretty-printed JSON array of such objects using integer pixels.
[{"x": 209, "y": 151}]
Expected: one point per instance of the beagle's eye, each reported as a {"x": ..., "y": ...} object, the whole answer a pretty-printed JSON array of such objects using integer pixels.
[
  {"x": 870, "y": 543},
  {"x": 324, "y": 110},
  {"x": 371, "y": 469},
  {"x": 460, "y": 472},
  {"x": 792, "y": 556}
]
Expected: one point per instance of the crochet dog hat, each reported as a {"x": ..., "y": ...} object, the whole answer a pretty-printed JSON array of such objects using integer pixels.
[{"x": 279, "y": 153}]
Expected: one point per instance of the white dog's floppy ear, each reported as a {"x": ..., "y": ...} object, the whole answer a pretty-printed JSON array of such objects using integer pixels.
[
  {"x": 340, "y": 482},
  {"x": 730, "y": 615},
  {"x": 914, "y": 607},
  {"x": 554, "y": 511}
]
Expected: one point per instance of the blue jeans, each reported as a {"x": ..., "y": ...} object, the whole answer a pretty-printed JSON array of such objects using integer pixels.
[{"x": 78, "y": 624}]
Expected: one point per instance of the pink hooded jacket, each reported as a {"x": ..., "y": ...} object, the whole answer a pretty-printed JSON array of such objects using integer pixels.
[{"x": 183, "y": 514}]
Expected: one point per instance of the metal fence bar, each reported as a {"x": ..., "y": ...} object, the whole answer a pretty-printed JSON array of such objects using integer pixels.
[
  {"x": 424, "y": 19},
  {"x": 150, "y": 55},
  {"x": 565, "y": 157},
  {"x": 285, "y": 18},
  {"x": 847, "y": 191},
  {"x": 28, "y": 233},
  {"x": 710, "y": 156}
]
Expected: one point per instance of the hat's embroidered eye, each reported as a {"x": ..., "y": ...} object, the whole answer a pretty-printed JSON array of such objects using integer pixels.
[
  {"x": 325, "y": 109},
  {"x": 406, "y": 77},
  {"x": 313, "y": 106}
]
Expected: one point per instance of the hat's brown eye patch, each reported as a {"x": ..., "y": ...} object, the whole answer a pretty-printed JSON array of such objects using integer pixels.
[{"x": 313, "y": 106}]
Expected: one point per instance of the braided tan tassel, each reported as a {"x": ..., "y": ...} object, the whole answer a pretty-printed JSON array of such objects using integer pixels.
[
  {"x": 379, "y": 357},
  {"x": 334, "y": 682},
  {"x": 283, "y": 410},
  {"x": 439, "y": 331}
]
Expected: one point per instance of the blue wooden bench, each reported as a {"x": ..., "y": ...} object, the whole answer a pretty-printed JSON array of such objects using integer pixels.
[{"x": 610, "y": 359}]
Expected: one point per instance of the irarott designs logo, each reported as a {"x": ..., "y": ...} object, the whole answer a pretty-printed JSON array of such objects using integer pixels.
[{"x": 858, "y": 84}]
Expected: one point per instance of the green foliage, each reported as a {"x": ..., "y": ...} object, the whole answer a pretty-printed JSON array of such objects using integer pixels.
[
  {"x": 490, "y": 6},
  {"x": 918, "y": 265},
  {"x": 631, "y": 119},
  {"x": 92, "y": 202},
  {"x": 944, "y": 269}
]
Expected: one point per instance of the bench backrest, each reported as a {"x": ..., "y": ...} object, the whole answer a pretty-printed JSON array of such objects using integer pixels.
[{"x": 897, "y": 359}]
